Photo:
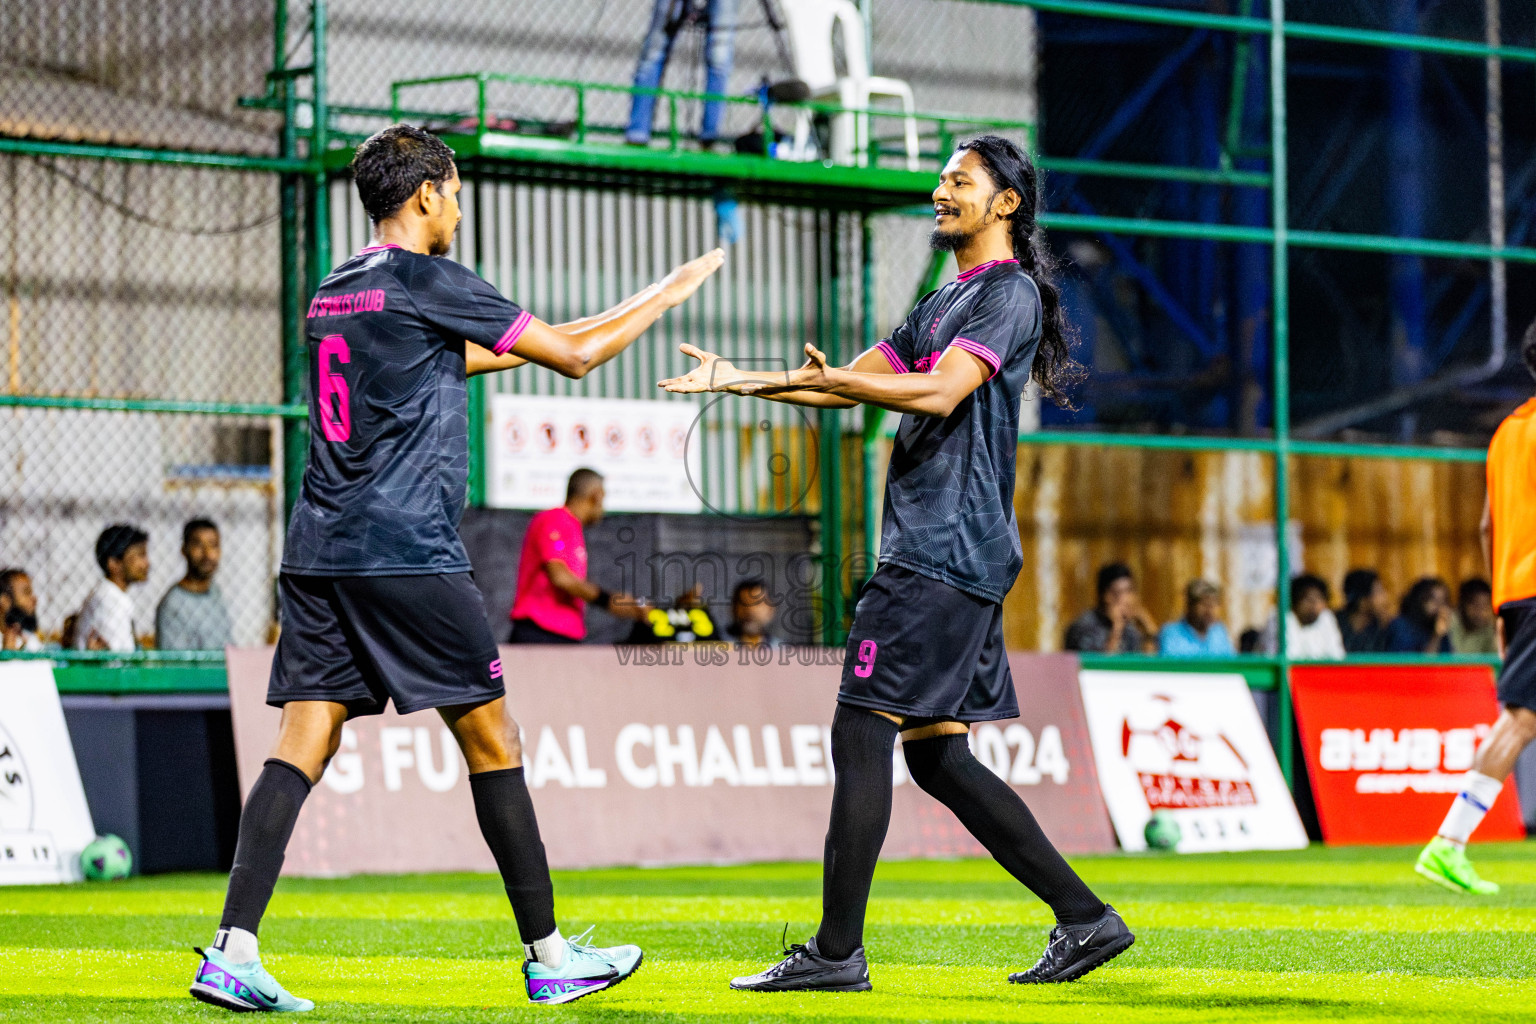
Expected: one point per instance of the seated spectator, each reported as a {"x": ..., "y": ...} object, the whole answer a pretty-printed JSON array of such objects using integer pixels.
[
  {"x": 752, "y": 613},
  {"x": 1472, "y": 630},
  {"x": 1200, "y": 633},
  {"x": 1423, "y": 623},
  {"x": 191, "y": 615},
  {"x": 18, "y": 627},
  {"x": 105, "y": 622},
  {"x": 1367, "y": 610},
  {"x": 1118, "y": 624},
  {"x": 1250, "y": 641},
  {"x": 1311, "y": 631}
]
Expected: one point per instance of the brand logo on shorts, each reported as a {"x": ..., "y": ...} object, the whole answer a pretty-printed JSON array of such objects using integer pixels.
[{"x": 496, "y": 669}]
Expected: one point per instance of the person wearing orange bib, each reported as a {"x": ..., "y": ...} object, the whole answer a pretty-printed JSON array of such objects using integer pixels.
[{"x": 1509, "y": 544}]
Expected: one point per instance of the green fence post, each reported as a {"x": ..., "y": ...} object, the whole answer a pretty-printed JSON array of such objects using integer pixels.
[{"x": 1278, "y": 200}]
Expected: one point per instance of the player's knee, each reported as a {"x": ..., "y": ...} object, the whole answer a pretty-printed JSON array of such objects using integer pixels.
[{"x": 925, "y": 758}]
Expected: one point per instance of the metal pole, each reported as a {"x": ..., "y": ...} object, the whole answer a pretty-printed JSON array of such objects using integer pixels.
[
  {"x": 1498, "y": 282},
  {"x": 872, "y": 415},
  {"x": 1280, "y": 332},
  {"x": 295, "y": 432}
]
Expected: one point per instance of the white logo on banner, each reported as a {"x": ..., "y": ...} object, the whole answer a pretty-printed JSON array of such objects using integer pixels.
[
  {"x": 639, "y": 446},
  {"x": 44, "y": 821},
  {"x": 1190, "y": 744},
  {"x": 1404, "y": 760}
]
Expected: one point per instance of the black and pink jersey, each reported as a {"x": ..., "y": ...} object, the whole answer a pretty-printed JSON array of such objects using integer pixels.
[
  {"x": 389, "y": 414},
  {"x": 949, "y": 492}
]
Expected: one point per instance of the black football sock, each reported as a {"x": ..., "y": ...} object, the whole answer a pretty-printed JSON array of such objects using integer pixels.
[
  {"x": 862, "y": 745},
  {"x": 266, "y": 823},
  {"x": 987, "y": 806},
  {"x": 505, "y": 812}
]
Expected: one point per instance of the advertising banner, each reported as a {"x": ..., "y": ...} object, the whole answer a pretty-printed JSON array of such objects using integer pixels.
[
  {"x": 44, "y": 820},
  {"x": 1190, "y": 744},
  {"x": 641, "y": 447},
  {"x": 1387, "y": 745},
  {"x": 658, "y": 755}
]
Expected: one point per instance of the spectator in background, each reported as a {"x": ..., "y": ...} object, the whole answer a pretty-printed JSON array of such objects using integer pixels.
[
  {"x": 668, "y": 17},
  {"x": 752, "y": 613},
  {"x": 105, "y": 622},
  {"x": 1472, "y": 630},
  {"x": 18, "y": 626},
  {"x": 550, "y": 606},
  {"x": 1200, "y": 633},
  {"x": 1423, "y": 623},
  {"x": 1367, "y": 610},
  {"x": 1118, "y": 624},
  {"x": 191, "y": 615},
  {"x": 1311, "y": 631}
]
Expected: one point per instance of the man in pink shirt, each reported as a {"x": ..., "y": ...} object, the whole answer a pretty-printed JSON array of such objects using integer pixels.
[{"x": 552, "y": 586}]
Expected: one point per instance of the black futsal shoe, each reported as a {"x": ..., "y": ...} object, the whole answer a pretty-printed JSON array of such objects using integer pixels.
[
  {"x": 803, "y": 969},
  {"x": 1076, "y": 949}
]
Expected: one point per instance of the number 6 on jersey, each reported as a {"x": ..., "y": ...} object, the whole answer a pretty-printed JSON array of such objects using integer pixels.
[{"x": 335, "y": 418}]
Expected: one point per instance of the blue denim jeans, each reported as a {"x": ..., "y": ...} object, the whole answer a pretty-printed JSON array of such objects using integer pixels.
[{"x": 719, "y": 52}]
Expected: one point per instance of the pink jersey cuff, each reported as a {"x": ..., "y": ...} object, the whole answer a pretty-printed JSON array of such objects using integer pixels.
[
  {"x": 504, "y": 345},
  {"x": 981, "y": 352},
  {"x": 891, "y": 357}
]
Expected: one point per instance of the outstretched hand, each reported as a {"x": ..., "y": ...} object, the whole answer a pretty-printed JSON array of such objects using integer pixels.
[
  {"x": 711, "y": 372},
  {"x": 685, "y": 279},
  {"x": 809, "y": 375}
]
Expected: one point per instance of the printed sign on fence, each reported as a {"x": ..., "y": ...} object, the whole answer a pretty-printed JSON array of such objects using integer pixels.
[
  {"x": 44, "y": 820},
  {"x": 1387, "y": 745},
  {"x": 641, "y": 447},
  {"x": 1190, "y": 744},
  {"x": 707, "y": 757}
]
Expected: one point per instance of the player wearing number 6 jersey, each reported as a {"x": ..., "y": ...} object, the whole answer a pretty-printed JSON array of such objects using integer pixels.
[
  {"x": 376, "y": 598},
  {"x": 925, "y": 655}
]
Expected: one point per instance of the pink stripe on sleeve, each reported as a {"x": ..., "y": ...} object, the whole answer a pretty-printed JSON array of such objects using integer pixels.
[
  {"x": 891, "y": 357},
  {"x": 504, "y": 345},
  {"x": 981, "y": 352}
]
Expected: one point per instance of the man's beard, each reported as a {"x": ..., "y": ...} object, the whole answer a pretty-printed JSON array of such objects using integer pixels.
[
  {"x": 948, "y": 241},
  {"x": 26, "y": 620}
]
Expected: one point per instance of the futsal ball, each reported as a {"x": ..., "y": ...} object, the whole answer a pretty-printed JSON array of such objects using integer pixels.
[
  {"x": 106, "y": 859},
  {"x": 1162, "y": 832}
]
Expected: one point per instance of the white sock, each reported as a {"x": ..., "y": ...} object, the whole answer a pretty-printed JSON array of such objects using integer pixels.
[
  {"x": 549, "y": 951},
  {"x": 1478, "y": 792},
  {"x": 237, "y": 945}
]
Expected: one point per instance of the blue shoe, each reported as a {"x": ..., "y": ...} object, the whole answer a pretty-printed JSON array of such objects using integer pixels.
[
  {"x": 242, "y": 987},
  {"x": 587, "y": 969}
]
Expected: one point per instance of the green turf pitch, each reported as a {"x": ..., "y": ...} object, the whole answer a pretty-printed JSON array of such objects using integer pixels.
[{"x": 1348, "y": 935}]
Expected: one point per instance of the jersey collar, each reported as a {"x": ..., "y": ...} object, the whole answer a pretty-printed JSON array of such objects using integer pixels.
[{"x": 983, "y": 267}]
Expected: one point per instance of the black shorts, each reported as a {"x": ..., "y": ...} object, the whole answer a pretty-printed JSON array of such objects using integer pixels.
[
  {"x": 1517, "y": 680},
  {"x": 922, "y": 649},
  {"x": 421, "y": 641}
]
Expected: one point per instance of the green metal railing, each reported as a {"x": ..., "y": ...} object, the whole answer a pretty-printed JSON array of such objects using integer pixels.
[{"x": 942, "y": 131}]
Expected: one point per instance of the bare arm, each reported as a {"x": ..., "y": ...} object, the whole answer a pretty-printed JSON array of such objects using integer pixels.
[
  {"x": 478, "y": 359},
  {"x": 1485, "y": 534},
  {"x": 935, "y": 393},
  {"x": 568, "y": 583},
  {"x": 575, "y": 352}
]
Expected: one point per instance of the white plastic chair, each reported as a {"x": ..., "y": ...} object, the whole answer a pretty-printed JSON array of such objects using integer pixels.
[{"x": 811, "y": 24}]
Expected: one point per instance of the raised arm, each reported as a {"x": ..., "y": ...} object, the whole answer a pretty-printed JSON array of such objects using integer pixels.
[
  {"x": 478, "y": 359},
  {"x": 870, "y": 380},
  {"x": 574, "y": 350}
]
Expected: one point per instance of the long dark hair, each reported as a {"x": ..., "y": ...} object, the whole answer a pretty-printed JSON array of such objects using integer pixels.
[
  {"x": 1010, "y": 167},
  {"x": 1412, "y": 606}
]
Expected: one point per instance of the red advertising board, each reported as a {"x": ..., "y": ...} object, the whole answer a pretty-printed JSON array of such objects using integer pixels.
[
  {"x": 1387, "y": 745},
  {"x": 660, "y": 755}
]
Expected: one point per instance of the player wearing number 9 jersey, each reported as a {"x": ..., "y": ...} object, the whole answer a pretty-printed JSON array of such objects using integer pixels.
[
  {"x": 925, "y": 655},
  {"x": 375, "y": 595}
]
